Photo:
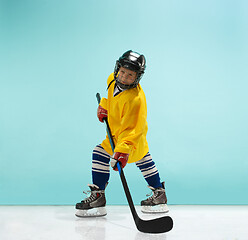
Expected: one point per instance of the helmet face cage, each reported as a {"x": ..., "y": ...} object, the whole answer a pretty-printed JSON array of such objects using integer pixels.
[{"x": 133, "y": 61}]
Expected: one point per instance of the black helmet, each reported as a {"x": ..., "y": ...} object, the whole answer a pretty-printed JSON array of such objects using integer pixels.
[{"x": 132, "y": 61}]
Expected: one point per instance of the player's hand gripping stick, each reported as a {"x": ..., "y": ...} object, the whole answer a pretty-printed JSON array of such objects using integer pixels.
[{"x": 122, "y": 158}]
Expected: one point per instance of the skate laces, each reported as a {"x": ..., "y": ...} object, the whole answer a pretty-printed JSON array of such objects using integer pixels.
[
  {"x": 152, "y": 192},
  {"x": 149, "y": 194},
  {"x": 88, "y": 198},
  {"x": 153, "y": 196},
  {"x": 94, "y": 193},
  {"x": 155, "y": 192},
  {"x": 90, "y": 194}
]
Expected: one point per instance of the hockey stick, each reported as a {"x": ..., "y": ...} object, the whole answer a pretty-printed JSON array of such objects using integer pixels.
[{"x": 157, "y": 225}]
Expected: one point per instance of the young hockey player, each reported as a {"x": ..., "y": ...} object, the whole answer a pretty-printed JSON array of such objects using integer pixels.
[{"x": 126, "y": 111}]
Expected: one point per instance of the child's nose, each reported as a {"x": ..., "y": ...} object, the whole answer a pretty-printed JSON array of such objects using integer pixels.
[{"x": 125, "y": 75}]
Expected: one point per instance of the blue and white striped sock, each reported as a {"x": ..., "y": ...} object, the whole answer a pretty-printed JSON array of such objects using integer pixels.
[
  {"x": 149, "y": 171},
  {"x": 100, "y": 167}
]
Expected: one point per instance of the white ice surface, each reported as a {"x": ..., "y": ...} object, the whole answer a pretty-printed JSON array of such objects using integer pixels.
[{"x": 59, "y": 222}]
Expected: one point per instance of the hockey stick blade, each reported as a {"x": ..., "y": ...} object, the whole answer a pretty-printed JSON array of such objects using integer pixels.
[{"x": 157, "y": 225}]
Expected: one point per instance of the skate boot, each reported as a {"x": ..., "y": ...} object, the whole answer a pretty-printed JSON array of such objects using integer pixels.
[
  {"x": 157, "y": 203},
  {"x": 94, "y": 205}
]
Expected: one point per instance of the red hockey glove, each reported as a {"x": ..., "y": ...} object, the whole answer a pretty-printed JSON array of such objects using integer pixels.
[
  {"x": 122, "y": 158},
  {"x": 101, "y": 113}
]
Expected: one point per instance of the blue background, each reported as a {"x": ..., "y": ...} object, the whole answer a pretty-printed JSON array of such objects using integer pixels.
[{"x": 54, "y": 57}]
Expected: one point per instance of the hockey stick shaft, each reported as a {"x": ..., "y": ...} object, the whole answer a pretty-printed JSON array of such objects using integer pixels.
[{"x": 122, "y": 176}]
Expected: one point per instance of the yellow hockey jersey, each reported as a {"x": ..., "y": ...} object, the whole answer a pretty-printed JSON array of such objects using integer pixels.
[{"x": 127, "y": 113}]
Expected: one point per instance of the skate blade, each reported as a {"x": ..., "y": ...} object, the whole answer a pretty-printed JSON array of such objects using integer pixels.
[
  {"x": 94, "y": 212},
  {"x": 161, "y": 208}
]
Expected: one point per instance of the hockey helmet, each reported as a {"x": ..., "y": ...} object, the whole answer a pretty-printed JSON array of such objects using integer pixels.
[{"x": 132, "y": 61}]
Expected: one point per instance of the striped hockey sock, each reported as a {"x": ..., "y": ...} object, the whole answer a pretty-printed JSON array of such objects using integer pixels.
[
  {"x": 149, "y": 171},
  {"x": 100, "y": 167}
]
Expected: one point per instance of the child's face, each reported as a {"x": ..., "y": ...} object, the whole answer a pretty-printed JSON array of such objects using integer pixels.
[{"x": 126, "y": 76}]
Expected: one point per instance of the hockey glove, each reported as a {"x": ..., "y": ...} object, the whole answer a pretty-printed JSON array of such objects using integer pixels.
[
  {"x": 122, "y": 158},
  {"x": 101, "y": 113}
]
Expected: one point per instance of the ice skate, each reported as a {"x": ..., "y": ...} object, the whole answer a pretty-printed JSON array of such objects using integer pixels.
[
  {"x": 157, "y": 203},
  {"x": 94, "y": 205}
]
